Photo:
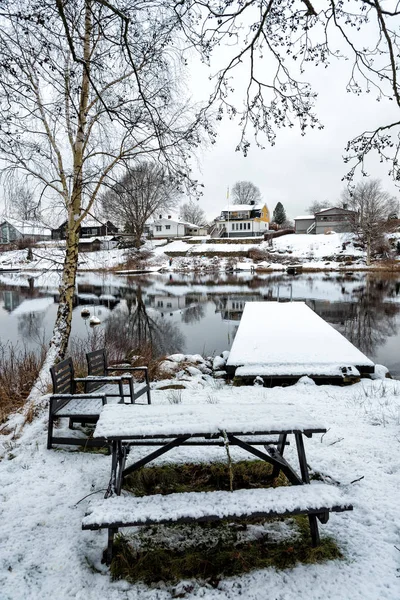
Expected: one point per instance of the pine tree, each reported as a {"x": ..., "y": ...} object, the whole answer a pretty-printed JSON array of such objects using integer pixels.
[{"x": 279, "y": 214}]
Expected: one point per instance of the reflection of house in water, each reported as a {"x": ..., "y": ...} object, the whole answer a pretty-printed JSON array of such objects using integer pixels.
[
  {"x": 166, "y": 303},
  {"x": 11, "y": 299},
  {"x": 108, "y": 296},
  {"x": 232, "y": 307}
]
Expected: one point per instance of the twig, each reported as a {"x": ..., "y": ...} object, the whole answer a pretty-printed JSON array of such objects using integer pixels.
[
  {"x": 359, "y": 479},
  {"x": 336, "y": 441},
  {"x": 91, "y": 494}
]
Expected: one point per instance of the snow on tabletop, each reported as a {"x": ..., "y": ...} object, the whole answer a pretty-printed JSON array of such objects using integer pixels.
[
  {"x": 278, "y": 334},
  {"x": 195, "y": 505},
  {"x": 151, "y": 420}
]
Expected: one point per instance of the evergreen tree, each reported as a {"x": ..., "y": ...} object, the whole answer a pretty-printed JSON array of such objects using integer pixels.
[{"x": 279, "y": 214}]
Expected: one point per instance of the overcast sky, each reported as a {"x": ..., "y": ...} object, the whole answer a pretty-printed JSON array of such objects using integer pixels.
[{"x": 298, "y": 169}]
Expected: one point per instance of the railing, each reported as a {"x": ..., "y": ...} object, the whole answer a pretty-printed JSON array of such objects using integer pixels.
[
  {"x": 288, "y": 286},
  {"x": 312, "y": 227}
]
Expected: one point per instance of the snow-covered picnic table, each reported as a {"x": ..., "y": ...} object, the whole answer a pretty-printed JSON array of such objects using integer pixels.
[
  {"x": 175, "y": 425},
  {"x": 236, "y": 424}
]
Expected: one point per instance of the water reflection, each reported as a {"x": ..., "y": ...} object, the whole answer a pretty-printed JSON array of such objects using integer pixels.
[
  {"x": 137, "y": 330},
  {"x": 200, "y": 313}
]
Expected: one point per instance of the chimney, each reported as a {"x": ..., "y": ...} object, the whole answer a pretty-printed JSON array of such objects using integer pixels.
[
  {"x": 345, "y": 205},
  {"x": 169, "y": 216},
  {"x": 252, "y": 202},
  {"x": 160, "y": 216}
]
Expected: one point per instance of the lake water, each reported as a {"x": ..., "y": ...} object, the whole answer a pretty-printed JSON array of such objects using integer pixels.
[{"x": 201, "y": 314}]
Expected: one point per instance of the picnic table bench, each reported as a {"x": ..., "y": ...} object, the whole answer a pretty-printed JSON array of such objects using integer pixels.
[{"x": 232, "y": 423}]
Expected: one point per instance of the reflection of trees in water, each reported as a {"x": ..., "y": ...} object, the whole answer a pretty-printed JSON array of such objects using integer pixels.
[
  {"x": 370, "y": 319},
  {"x": 193, "y": 314},
  {"x": 30, "y": 326},
  {"x": 136, "y": 330}
]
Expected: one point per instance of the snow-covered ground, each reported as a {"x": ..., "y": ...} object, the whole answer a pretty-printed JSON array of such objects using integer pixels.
[
  {"x": 319, "y": 252},
  {"x": 44, "y": 554}
]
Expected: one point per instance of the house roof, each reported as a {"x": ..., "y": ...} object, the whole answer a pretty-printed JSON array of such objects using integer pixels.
[
  {"x": 28, "y": 227},
  {"x": 236, "y": 207},
  {"x": 173, "y": 219},
  {"x": 98, "y": 238},
  {"x": 304, "y": 217},
  {"x": 89, "y": 221},
  {"x": 335, "y": 208}
]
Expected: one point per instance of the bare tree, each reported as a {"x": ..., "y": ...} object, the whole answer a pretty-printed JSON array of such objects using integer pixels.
[
  {"x": 193, "y": 213},
  {"x": 85, "y": 88},
  {"x": 143, "y": 190},
  {"x": 317, "y": 205},
  {"x": 276, "y": 41},
  {"x": 245, "y": 192},
  {"x": 20, "y": 201},
  {"x": 372, "y": 208}
]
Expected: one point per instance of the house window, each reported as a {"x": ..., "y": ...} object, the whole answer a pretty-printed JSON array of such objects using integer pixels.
[
  {"x": 169, "y": 304},
  {"x": 241, "y": 226},
  {"x": 160, "y": 303},
  {"x": 248, "y": 225},
  {"x": 168, "y": 227},
  {"x": 158, "y": 227},
  {"x": 233, "y": 226}
]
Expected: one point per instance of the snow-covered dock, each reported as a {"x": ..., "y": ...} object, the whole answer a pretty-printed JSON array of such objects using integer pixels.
[{"x": 285, "y": 341}]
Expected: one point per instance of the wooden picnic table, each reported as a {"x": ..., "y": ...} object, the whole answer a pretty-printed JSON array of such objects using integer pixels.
[
  {"x": 242, "y": 425},
  {"x": 237, "y": 424}
]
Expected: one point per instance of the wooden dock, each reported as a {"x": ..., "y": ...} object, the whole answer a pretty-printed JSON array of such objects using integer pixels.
[{"x": 282, "y": 342}]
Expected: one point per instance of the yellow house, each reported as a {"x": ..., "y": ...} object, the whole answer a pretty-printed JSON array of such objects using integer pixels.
[{"x": 242, "y": 220}]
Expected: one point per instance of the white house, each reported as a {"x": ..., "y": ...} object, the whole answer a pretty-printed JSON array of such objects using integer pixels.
[
  {"x": 241, "y": 220},
  {"x": 173, "y": 227}
]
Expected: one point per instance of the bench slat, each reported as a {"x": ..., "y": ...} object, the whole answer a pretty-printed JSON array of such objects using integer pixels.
[{"x": 120, "y": 511}]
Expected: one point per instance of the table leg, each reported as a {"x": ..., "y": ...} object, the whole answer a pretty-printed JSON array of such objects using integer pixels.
[
  {"x": 122, "y": 453},
  {"x": 114, "y": 465},
  {"x": 312, "y": 519},
  {"x": 301, "y": 453}
]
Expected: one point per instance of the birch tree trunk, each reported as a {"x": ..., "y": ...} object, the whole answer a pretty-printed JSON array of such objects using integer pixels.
[{"x": 62, "y": 327}]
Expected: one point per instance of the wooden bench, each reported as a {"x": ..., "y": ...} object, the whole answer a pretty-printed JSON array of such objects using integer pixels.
[
  {"x": 98, "y": 367},
  {"x": 315, "y": 501},
  {"x": 78, "y": 408}
]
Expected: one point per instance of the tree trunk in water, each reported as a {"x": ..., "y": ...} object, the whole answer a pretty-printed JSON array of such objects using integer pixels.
[{"x": 368, "y": 252}]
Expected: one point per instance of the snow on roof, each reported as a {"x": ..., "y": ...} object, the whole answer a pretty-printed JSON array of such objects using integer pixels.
[
  {"x": 173, "y": 219},
  {"x": 304, "y": 217},
  {"x": 236, "y": 207},
  {"x": 90, "y": 221},
  {"x": 35, "y": 305},
  {"x": 293, "y": 334},
  {"x": 28, "y": 227},
  {"x": 340, "y": 208},
  {"x": 98, "y": 238}
]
